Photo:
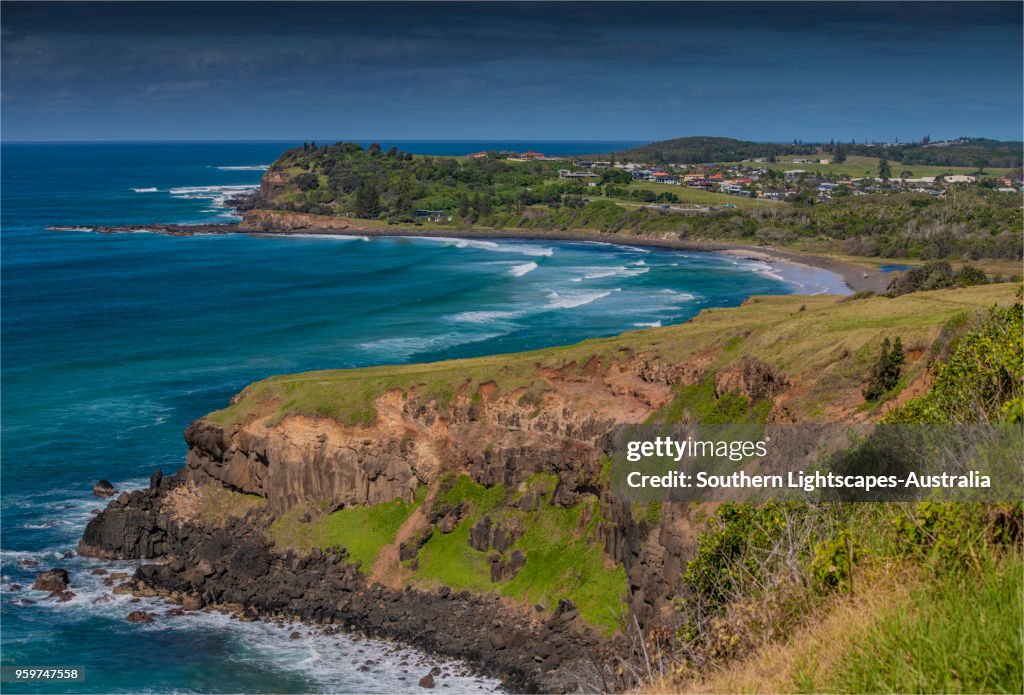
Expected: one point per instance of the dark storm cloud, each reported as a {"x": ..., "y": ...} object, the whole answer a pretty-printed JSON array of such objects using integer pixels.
[{"x": 636, "y": 70}]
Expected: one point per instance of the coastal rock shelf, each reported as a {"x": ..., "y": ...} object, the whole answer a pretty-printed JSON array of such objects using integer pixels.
[{"x": 234, "y": 567}]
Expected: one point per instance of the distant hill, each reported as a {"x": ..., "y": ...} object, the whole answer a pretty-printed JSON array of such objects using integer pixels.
[{"x": 704, "y": 149}]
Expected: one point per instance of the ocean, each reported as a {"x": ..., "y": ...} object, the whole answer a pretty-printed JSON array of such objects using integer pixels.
[{"x": 112, "y": 344}]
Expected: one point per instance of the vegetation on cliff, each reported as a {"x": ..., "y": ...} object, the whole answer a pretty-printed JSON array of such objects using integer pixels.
[
  {"x": 818, "y": 352},
  {"x": 393, "y": 187},
  {"x": 761, "y": 595}
]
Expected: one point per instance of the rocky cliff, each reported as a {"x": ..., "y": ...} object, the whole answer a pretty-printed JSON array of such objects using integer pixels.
[{"x": 311, "y": 447}]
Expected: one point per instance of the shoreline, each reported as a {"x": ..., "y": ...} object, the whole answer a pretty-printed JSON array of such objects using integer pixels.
[{"x": 852, "y": 275}]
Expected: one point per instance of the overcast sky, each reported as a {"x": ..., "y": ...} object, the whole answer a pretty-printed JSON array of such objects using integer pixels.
[{"x": 760, "y": 71}]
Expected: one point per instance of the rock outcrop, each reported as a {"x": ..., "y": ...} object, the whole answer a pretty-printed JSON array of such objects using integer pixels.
[{"x": 234, "y": 566}]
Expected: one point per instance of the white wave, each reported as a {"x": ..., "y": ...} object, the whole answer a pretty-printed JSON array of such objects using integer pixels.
[
  {"x": 518, "y": 271},
  {"x": 485, "y": 316},
  {"x": 410, "y": 345},
  {"x": 652, "y": 324},
  {"x": 678, "y": 296},
  {"x": 525, "y": 249},
  {"x": 597, "y": 272},
  {"x": 247, "y": 167},
  {"x": 207, "y": 191},
  {"x": 145, "y": 190},
  {"x": 571, "y": 300},
  {"x": 333, "y": 662},
  {"x": 332, "y": 237},
  {"x": 219, "y": 195}
]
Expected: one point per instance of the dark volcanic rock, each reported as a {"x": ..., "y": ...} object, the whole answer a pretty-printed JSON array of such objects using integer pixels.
[
  {"x": 235, "y": 566},
  {"x": 139, "y": 617},
  {"x": 104, "y": 488},
  {"x": 409, "y": 549},
  {"x": 427, "y": 681},
  {"x": 55, "y": 581}
]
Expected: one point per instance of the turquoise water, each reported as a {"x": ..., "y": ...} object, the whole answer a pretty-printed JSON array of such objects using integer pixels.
[{"x": 112, "y": 344}]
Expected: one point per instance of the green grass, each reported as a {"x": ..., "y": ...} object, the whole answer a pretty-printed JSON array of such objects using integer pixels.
[
  {"x": 563, "y": 557},
  {"x": 856, "y": 167},
  {"x": 695, "y": 196},
  {"x": 958, "y": 633},
  {"x": 363, "y": 531},
  {"x": 698, "y": 403},
  {"x": 772, "y": 329}
]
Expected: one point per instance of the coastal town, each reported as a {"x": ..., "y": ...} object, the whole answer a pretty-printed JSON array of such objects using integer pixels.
[{"x": 796, "y": 179}]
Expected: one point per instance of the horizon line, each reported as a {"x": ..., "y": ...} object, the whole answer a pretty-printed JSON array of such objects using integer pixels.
[{"x": 479, "y": 139}]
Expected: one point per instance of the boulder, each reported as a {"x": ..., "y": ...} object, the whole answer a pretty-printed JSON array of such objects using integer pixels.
[
  {"x": 104, "y": 488},
  {"x": 427, "y": 681},
  {"x": 55, "y": 581},
  {"x": 139, "y": 617}
]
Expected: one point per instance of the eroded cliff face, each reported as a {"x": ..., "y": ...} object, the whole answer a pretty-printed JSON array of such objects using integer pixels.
[
  {"x": 559, "y": 425},
  {"x": 495, "y": 437}
]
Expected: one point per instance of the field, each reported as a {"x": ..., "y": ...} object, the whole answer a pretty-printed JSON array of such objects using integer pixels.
[
  {"x": 694, "y": 196},
  {"x": 856, "y": 167}
]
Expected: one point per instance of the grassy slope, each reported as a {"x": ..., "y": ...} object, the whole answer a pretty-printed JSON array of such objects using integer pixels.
[
  {"x": 774, "y": 329},
  {"x": 695, "y": 196},
  {"x": 564, "y": 559},
  {"x": 363, "y": 531},
  {"x": 904, "y": 631}
]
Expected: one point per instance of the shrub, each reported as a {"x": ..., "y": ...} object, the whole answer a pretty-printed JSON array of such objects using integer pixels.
[
  {"x": 886, "y": 372},
  {"x": 983, "y": 380}
]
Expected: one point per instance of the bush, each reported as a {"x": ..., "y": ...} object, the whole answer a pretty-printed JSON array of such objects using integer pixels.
[
  {"x": 935, "y": 276},
  {"x": 886, "y": 372},
  {"x": 983, "y": 380}
]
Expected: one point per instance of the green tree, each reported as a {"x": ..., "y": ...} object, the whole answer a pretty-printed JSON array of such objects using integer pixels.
[
  {"x": 367, "y": 200},
  {"x": 885, "y": 374},
  {"x": 884, "y": 170}
]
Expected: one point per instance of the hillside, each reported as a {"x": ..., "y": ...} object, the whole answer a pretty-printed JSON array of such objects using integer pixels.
[
  {"x": 435, "y": 494},
  {"x": 346, "y": 186}
]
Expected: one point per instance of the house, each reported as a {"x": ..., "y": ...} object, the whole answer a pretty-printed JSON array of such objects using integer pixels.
[
  {"x": 701, "y": 184},
  {"x": 566, "y": 174},
  {"x": 734, "y": 189},
  {"x": 773, "y": 195},
  {"x": 528, "y": 156},
  {"x": 476, "y": 155},
  {"x": 433, "y": 215},
  {"x": 960, "y": 178}
]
